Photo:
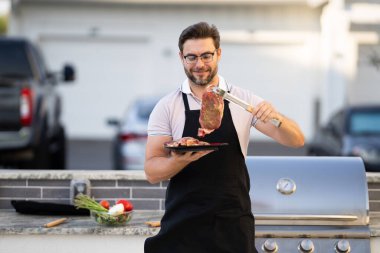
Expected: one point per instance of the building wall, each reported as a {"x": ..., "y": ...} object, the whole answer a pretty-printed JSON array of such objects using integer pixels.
[
  {"x": 365, "y": 88},
  {"x": 124, "y": 51},
  {"x": 351, "y": 44}
]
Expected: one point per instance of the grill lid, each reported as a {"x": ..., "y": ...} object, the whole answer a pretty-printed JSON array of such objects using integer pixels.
[{"x": 308, "y": 190}]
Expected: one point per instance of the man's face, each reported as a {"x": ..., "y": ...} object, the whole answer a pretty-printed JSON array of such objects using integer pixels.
[{"x": 201, "y": 71}]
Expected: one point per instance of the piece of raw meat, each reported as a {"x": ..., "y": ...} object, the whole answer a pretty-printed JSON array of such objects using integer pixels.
[
  {"x": 186, "y": 141},
  {"x": 211, "y": 112}
]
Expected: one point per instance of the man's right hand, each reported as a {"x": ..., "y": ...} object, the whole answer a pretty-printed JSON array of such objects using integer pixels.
[{"x": 190, "y": 156}]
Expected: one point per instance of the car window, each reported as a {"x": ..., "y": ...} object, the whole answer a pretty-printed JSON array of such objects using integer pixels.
[
  {"x": 337, "y": 123},
  {"x": 40, "y": 63},
  {"x": 145, "y": 108},
  {"x": 13, "y": 61},
  {"x": 364, "y": 123}
]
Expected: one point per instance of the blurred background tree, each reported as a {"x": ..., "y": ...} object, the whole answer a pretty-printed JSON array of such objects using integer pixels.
[{"x": 3, "y": 24}]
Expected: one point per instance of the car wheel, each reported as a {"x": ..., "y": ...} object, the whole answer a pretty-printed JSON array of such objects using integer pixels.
[
  {"x": 117, "y": 161},
  {"x": 41, "y": 158},
  {"x": 58, "y": 155},
  {"x": 312, "y": 152}
]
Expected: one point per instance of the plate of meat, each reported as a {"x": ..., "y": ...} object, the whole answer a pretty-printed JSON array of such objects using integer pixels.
[{"x": 189, "y": 144}]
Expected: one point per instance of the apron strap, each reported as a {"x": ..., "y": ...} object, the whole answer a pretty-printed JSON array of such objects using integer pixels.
[{"x": 185, "y": 101}]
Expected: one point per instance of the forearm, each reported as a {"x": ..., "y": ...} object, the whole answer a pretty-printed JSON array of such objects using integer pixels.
[
  {"x": 158, "y": 169},
  {"x": 288, "y": 134}
]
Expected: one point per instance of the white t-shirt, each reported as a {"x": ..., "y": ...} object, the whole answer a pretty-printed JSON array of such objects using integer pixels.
[{"x": 168, "y": 116}]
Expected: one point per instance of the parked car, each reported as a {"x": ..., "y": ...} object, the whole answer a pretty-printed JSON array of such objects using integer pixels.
[
  {"x": 352, "y": 131},
  {"x": 128, "y": 147},
  {"x": 31, "y": 132}
]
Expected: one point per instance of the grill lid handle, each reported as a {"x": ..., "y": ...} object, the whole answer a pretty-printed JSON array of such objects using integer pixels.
[{"x": 325, "y": 217}]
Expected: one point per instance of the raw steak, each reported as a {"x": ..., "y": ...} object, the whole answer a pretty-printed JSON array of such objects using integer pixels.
[{"x": 211, "y": 112}]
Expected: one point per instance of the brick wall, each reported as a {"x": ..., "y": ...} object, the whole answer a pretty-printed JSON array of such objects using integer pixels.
[
  {"x": 110, "y": 186},
  {"x": 143, "y": 195}
]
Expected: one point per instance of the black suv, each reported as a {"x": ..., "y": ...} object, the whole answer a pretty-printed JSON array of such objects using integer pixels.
[
  {"x": 31, "y": 133},
  {"x": 352, "y": 131}
]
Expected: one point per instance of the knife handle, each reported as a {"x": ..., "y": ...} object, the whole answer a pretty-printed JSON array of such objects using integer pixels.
[
  {"x": 275, "y": 122},
  {"x": 55, "y": 223}
]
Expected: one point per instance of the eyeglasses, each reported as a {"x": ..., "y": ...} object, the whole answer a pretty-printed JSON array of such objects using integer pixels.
[{"x": 206, "y": 57}]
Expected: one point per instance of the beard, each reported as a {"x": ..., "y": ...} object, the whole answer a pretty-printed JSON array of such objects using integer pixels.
[{"x": 199, "y": 80}]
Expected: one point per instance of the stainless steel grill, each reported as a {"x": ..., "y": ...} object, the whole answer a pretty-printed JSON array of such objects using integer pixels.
[{"x": 310, "y": 204}]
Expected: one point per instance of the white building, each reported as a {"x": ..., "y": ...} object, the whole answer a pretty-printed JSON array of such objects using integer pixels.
[{"x": 295, "y": 53}]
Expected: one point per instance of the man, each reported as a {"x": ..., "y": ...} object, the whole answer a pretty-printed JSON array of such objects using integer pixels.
[{"x": 207, "y": 207}]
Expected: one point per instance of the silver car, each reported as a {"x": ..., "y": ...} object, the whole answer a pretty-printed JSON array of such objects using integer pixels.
[
  {"x": 352, "y": 131},
  {"x": 130, "y": 139}
]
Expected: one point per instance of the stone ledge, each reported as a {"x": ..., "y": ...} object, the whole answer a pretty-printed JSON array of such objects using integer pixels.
[
  {"x": 13, "y": 223},
  {"x": 373, "y": 177},
  {"x": 72, "y": 174}
]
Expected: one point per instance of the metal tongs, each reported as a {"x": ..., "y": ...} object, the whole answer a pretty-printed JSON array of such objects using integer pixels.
[{"x": 227, "y": 96}]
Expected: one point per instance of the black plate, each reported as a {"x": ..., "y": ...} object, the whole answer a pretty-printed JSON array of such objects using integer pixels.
[{"x": 212, "y": 146}]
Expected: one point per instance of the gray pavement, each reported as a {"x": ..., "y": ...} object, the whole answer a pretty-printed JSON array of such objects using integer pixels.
[
  {"x": 89, "y": 155},
  {"x": 97, "y": 154}
]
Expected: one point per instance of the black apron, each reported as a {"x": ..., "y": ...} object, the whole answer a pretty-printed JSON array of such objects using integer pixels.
[{"x": 208, "y": 208}]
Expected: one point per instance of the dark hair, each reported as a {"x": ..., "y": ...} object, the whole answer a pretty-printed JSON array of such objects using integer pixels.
[{"x": 201, "y": 30}]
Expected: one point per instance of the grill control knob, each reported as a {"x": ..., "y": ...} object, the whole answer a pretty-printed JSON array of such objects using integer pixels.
[
  {"x": 343, "y": 246},
  {"x": 306, "y": 246},
  {"x": 270, "y": 246}
]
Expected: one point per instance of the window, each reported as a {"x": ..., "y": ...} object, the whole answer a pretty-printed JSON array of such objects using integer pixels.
[
  {"x": 365, "y": 123},
  {"x": 13, "y": 61},
  {"x": 40, "y": 64},
  {"x": 336, "y": 123},
  {"x": 145, "y": 108}
]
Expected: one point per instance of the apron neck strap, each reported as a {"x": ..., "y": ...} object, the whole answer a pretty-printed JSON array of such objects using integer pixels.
[{"x": 185, "y": 101}]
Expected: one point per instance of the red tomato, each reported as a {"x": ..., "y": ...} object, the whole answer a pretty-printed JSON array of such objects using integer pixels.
[
  {"x": 127, "y": 205},
  {"x": 105, "y": 204}
]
